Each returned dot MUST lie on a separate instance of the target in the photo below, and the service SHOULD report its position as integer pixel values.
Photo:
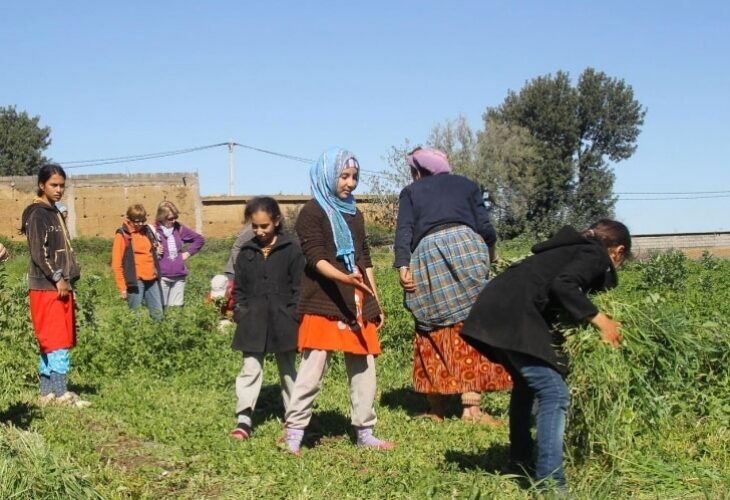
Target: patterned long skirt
(450, 269)
(444, 364)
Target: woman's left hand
(185, 256)
(406, 279)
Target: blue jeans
(152, 295)
(533, 378)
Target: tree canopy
(22, 142)
(562, 137)
(544, 155)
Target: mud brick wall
(693, 244)
(223, 215)
(97, 203)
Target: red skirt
(54, 320)
(444, 364)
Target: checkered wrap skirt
(450, 268)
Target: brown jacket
(322, 296)
(50, 247)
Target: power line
(676, 192)
(676, 198)
(274, 153)
(133, 158)
(653, 195)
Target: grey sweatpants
(360, 374)
(251, 377)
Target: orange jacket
(144, 263)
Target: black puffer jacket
(50, 246)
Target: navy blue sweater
(436, 200)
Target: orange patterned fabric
(327, 334)
(444, 364)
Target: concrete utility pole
(231, 168)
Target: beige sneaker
(72, 399)
(47, 399)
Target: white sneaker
(72, 399)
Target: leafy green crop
(648, 420)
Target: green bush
(664, 270)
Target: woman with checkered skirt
(444, 242)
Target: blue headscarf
(323, 176)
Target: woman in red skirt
(443, 245)
(51, 275)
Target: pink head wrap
(430, 159)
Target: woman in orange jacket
(135, 262)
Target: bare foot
(474, 415)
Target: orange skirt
(444, 364)
(320, 332)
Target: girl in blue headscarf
(338, 300)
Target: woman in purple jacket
(173, 237)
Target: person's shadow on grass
(491, 461)
(325, 425)
(404, 398)
(269, 405)
(83, 388)
(20, 414)
(416, 404)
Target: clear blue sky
(122, 78)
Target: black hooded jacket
(516, 309)
(50, 246)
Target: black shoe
(517, 468)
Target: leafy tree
(387, 184)
(459, 142)
(575, 132)
(608, 127)
(511, 156)
(22, 142)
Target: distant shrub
(665, 270)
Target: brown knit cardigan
(320, 295)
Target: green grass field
(648, 421)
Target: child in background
(338, 301)
(172, 237)
(268, 270)
(511, 323)
(221, 292)
(135, 262)
(244, 235)
(52, 273)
